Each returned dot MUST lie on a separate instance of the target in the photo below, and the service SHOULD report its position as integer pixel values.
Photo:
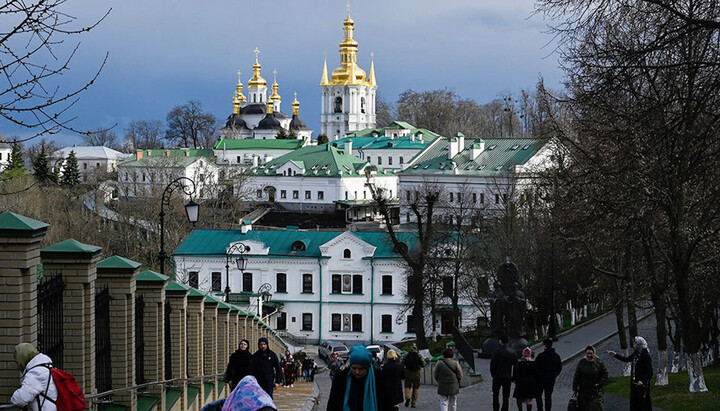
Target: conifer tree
(16, 162)
(71, 172)
(41, 168)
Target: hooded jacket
(36, 380)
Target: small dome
(255, 108)
(269, 122)
(297, 124)
(236, 121)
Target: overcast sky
(164, 53)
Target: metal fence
(103, 341)
(50, 318)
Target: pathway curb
(312, 400)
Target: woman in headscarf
(526, 377)
(38, 389)
(358, 387)
(248, 396)
(588, 381)
(641, 372)
(239, 364)
(393, 373)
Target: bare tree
(188, 126)
(144, 135)
(100, 137)
(33, 34)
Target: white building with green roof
(391, 147)
(150, 170)
(249, 152)
(318, 179)
(472, 174)
(5, 151)
(324, 285)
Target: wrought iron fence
(103, 350)
(50, 318)
(139, 340)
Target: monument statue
(507, 310)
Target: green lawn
(675, 395)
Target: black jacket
(238, 366)
(393, 373)
(641, 365)
(549, 365)
(265, 365)
(339, 384)
(502, 363)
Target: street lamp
(241, 262)
(263, 296)
(192, 209)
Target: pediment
(345, 239)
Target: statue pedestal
(492, 344)
(518, 345)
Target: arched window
(362, 105)
(338, 104)
(347, 253)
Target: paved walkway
(292, 399)
(570, 346)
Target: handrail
(94, 397)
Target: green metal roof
(149, 275)
(428, 135)
(12, 221)
(71, 246)
(167, 158)
(257, 144)
(497, 159)
(196, 293)
(176, 286)
(322, 160)
(118, 262)
(213, 243)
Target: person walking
(448, 374)
(641, 371)
(265, 367)
(588, 382)
(309, 367)
(549, 366)
(289, 369)
(393, 374)
(526, 377)
(239, 364)
(359, 387)
(413, 363)
(335, 365)
(37, 391)
(502, 364)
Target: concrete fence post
(176, 295)
(195, 343)
(151, 286)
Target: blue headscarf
(361, 356)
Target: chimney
(246, 226)
(452, 148)
(187, 154)
(138, 154)
(460, 141)
(268, 158)
(255, 160)
(476, 149)
(348, 147)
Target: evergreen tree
(322, 139)
(71, 172)
(16, 162)
(41, 168)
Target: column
(195, 312)
(151, 286)
(176, 297)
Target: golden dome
(256, 80)
(275, 96)
(349, 73)
(295, 106)
(239, 98)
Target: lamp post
(241, 262)
(191, 209)
(263, 296)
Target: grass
(675, 395)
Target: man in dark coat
(501, 367)
(549, 366)
(265, 367)
(641, 372)
(413, 364)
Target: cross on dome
(348, 8)
(257, 52)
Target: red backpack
(70, 396)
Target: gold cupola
(269, 107)
(349, 73)
(296, 106)
(239, 98)
(324, 79)
(275, 96)
(256, 80)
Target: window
(216, 281)
(364, 195)
(307, 284)
(283, 194)
(306, 322)
(389, 160)
(336, 322)
(259, 194)
(336, 284)
(281, 282)
(347, 283)
(321, 195)
(379, 161)
(447, 286)
(497, 198)
(193, 279)
(346, 322)
(356, 195)
(346, 195)
(357, 284)
(296, 194)
(362, 105)
(459, 197)
(387, 285)
(482, 198)
(357, 322)
(451, 197)
(338, 105)
(504, 198)
(386, 326)
(281, 321)
(308, 195)
(368, 159)
(347, 253)
(407, 196)
(298, 246)
(84, 166)
(238, 159)
(410, 324)
(474, 197)
(247, 282)
(402, 160)
(97, 165)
